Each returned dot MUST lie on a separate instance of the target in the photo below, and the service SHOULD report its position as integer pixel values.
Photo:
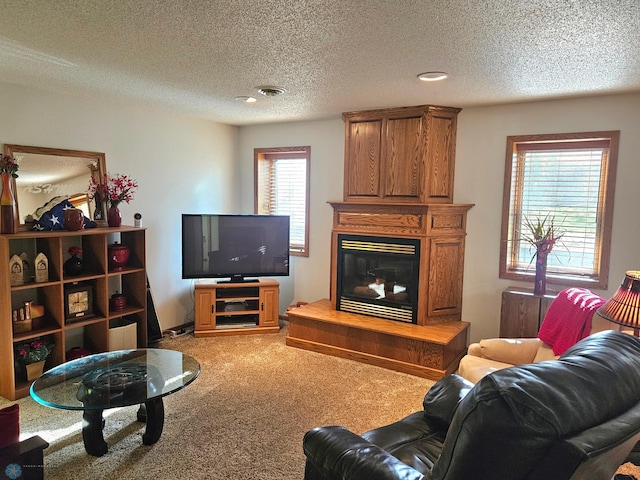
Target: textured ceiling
(331, 55)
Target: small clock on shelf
(78, 303)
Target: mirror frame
(12, 150)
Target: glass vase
(114, 219)
(98, 212)
(540, 282)
(8, 210)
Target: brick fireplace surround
(398, 185)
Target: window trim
(261, 154)
(602, 278)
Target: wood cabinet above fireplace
(401, 154)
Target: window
(282, 188)
(571, 179)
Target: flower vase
(98, 212)
(114, 219)
(34, 370)
(73, 266)
(540, 283)
(8, 210)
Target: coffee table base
(93, 425)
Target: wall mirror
(45, 173)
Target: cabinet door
(205, 318)
(519, 315)
(402, 164)
(362, 162)
(545, 302)
(446, 261)
(439, 157)
(269, 306)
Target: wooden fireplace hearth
(430, 352)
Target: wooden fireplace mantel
(441, 229)
(401, 219)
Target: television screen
(234, 246)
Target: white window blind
(565, 183)
(282, 186)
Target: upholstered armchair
(19, 459)
(570, 317)
(574, 418)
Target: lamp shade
(624, 307)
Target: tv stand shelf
(226, 308)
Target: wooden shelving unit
(236, 308)
(91, 333)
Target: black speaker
(154, 333)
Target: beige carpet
(243, 418)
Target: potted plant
(542, 236)
(33, 354)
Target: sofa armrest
(336, 452)
(475, 349)
(515, 351)
(443, 397)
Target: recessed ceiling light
(244, 98)
(432, 76)
(270, 90)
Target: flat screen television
(234, 247)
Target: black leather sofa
(577, 417)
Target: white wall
(480, 156)
(181, 164)
(309, 279)
(480, 161)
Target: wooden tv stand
(239, 308)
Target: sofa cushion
(9, 425)
(414, 440)
(518, 413)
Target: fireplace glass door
(378, 276)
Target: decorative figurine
(42, 268)
(17, 270)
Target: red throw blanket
(568, 319)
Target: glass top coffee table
(116, 379)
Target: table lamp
(624, 307)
